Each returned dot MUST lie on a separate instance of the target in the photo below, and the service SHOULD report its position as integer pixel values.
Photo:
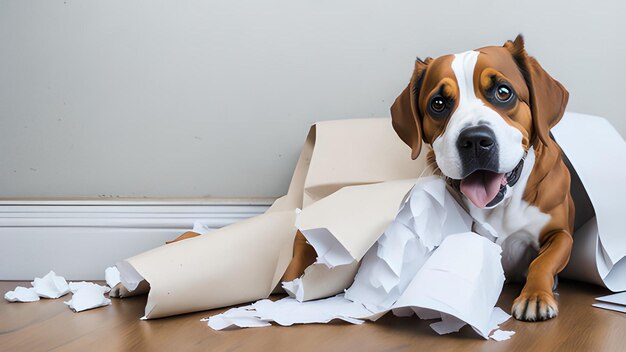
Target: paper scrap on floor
(616, 302)
(501, 335)
(427, 262)
(50, 286)
(87, 295)
(22, 294)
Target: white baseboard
(79, 239)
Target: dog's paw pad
(535, 306)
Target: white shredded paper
(51, 286)
(85, 295)
(288, 311)
(22, 294)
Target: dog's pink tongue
(481, 187)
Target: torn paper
(469, 298)
(22, 294)
(288, 311)
(501, 335)
(463, 278)
(427, 215)
(112, 276)
(86, 296)
(420, 264)
(50, 286)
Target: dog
(486, 115)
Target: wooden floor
(50, 325)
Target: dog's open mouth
(486, 188)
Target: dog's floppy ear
(548, 97)
(405, 116)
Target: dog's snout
(478, 149)
(476, 139)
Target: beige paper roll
(245, 261)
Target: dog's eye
(503, 93)
(438, 104)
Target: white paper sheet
(466, 297)
(611, 306)
(87, 296)
(448, 324)
(462, 278)
(22, 294)
(616, 302)
(617, 298)
(50, 286)
(241, 317)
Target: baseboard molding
(79, 239)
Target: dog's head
(480, 111)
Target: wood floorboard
(49, 325)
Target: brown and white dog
(486, 115)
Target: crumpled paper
(22, 294)
(51, 286)
(427, 215)
(426, 262)
(87, 295)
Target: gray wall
(214, 98)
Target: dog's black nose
(477, 139)
(478, 149)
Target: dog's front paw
(534, 306)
